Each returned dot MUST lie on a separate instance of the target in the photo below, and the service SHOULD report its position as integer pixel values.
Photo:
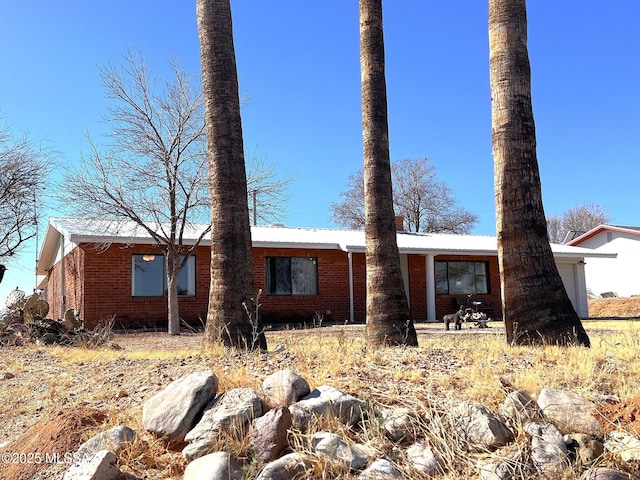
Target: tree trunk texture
(536, 308)
(232, 281)
(172, 265)
(387, 321)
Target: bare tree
(350, 212)
(581, 218)
(153, 169)
(24, 166)
(554, 228)
(267, 191)
(426, 204)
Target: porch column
(351, 313)
(431, 287)
(62, 277)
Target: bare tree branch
(581, 218)
(267, 191)
(152, 171)
(426, 204)
(24, 164)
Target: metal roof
(79, 231)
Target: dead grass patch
(447, 368)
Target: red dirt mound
(623, 415)
(51, 440)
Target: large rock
(623, 444)
(214, 466)
(602, 473)
(569, 411)
(381, 469)
(323, 401)
(479, 428)
(425, 460)
(113, 439)
(588, 448)
(268, 433)
(101, 466)
(291, 466)
(399, 424)
(283, 388)
(548, 449)
(519, 406)
(335, 449)
(173, 411)
(230, 415)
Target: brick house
(104, 269)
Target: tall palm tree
(388, 321)
(232, 281)
(536, 308)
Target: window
(149, 278)
(291, 276)
(462, 277)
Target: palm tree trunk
(388, 321)
(232, 281)
(536, 308)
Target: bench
(474, 304)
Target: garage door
(568, 274)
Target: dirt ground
(620, 307)
(41, 384)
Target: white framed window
(459, 277)
(291, 275)
(149, 276)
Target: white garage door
(568, 274)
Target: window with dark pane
(291, 276)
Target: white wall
(573, 278)
(620, 274)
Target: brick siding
(98, 286)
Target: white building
(617, 274)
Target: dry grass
(448, 367)
(615, 307)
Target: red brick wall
(105, 288)
(333, 287)
(418, 287)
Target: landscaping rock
(606, 474)
(399, 424)
(519, 406)
(326, 400)
(588, 448)
(570, 412)
(479, 428)
(381, 469)
(548, 448)
(425, 460)
(268, 434)
(283, 388)
(113, 440)
(173, 411)
(231, 414)
(624, 445)
(334, 448)
(101, 466)
(214, 466)
(292, 465)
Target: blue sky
(298, 63)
